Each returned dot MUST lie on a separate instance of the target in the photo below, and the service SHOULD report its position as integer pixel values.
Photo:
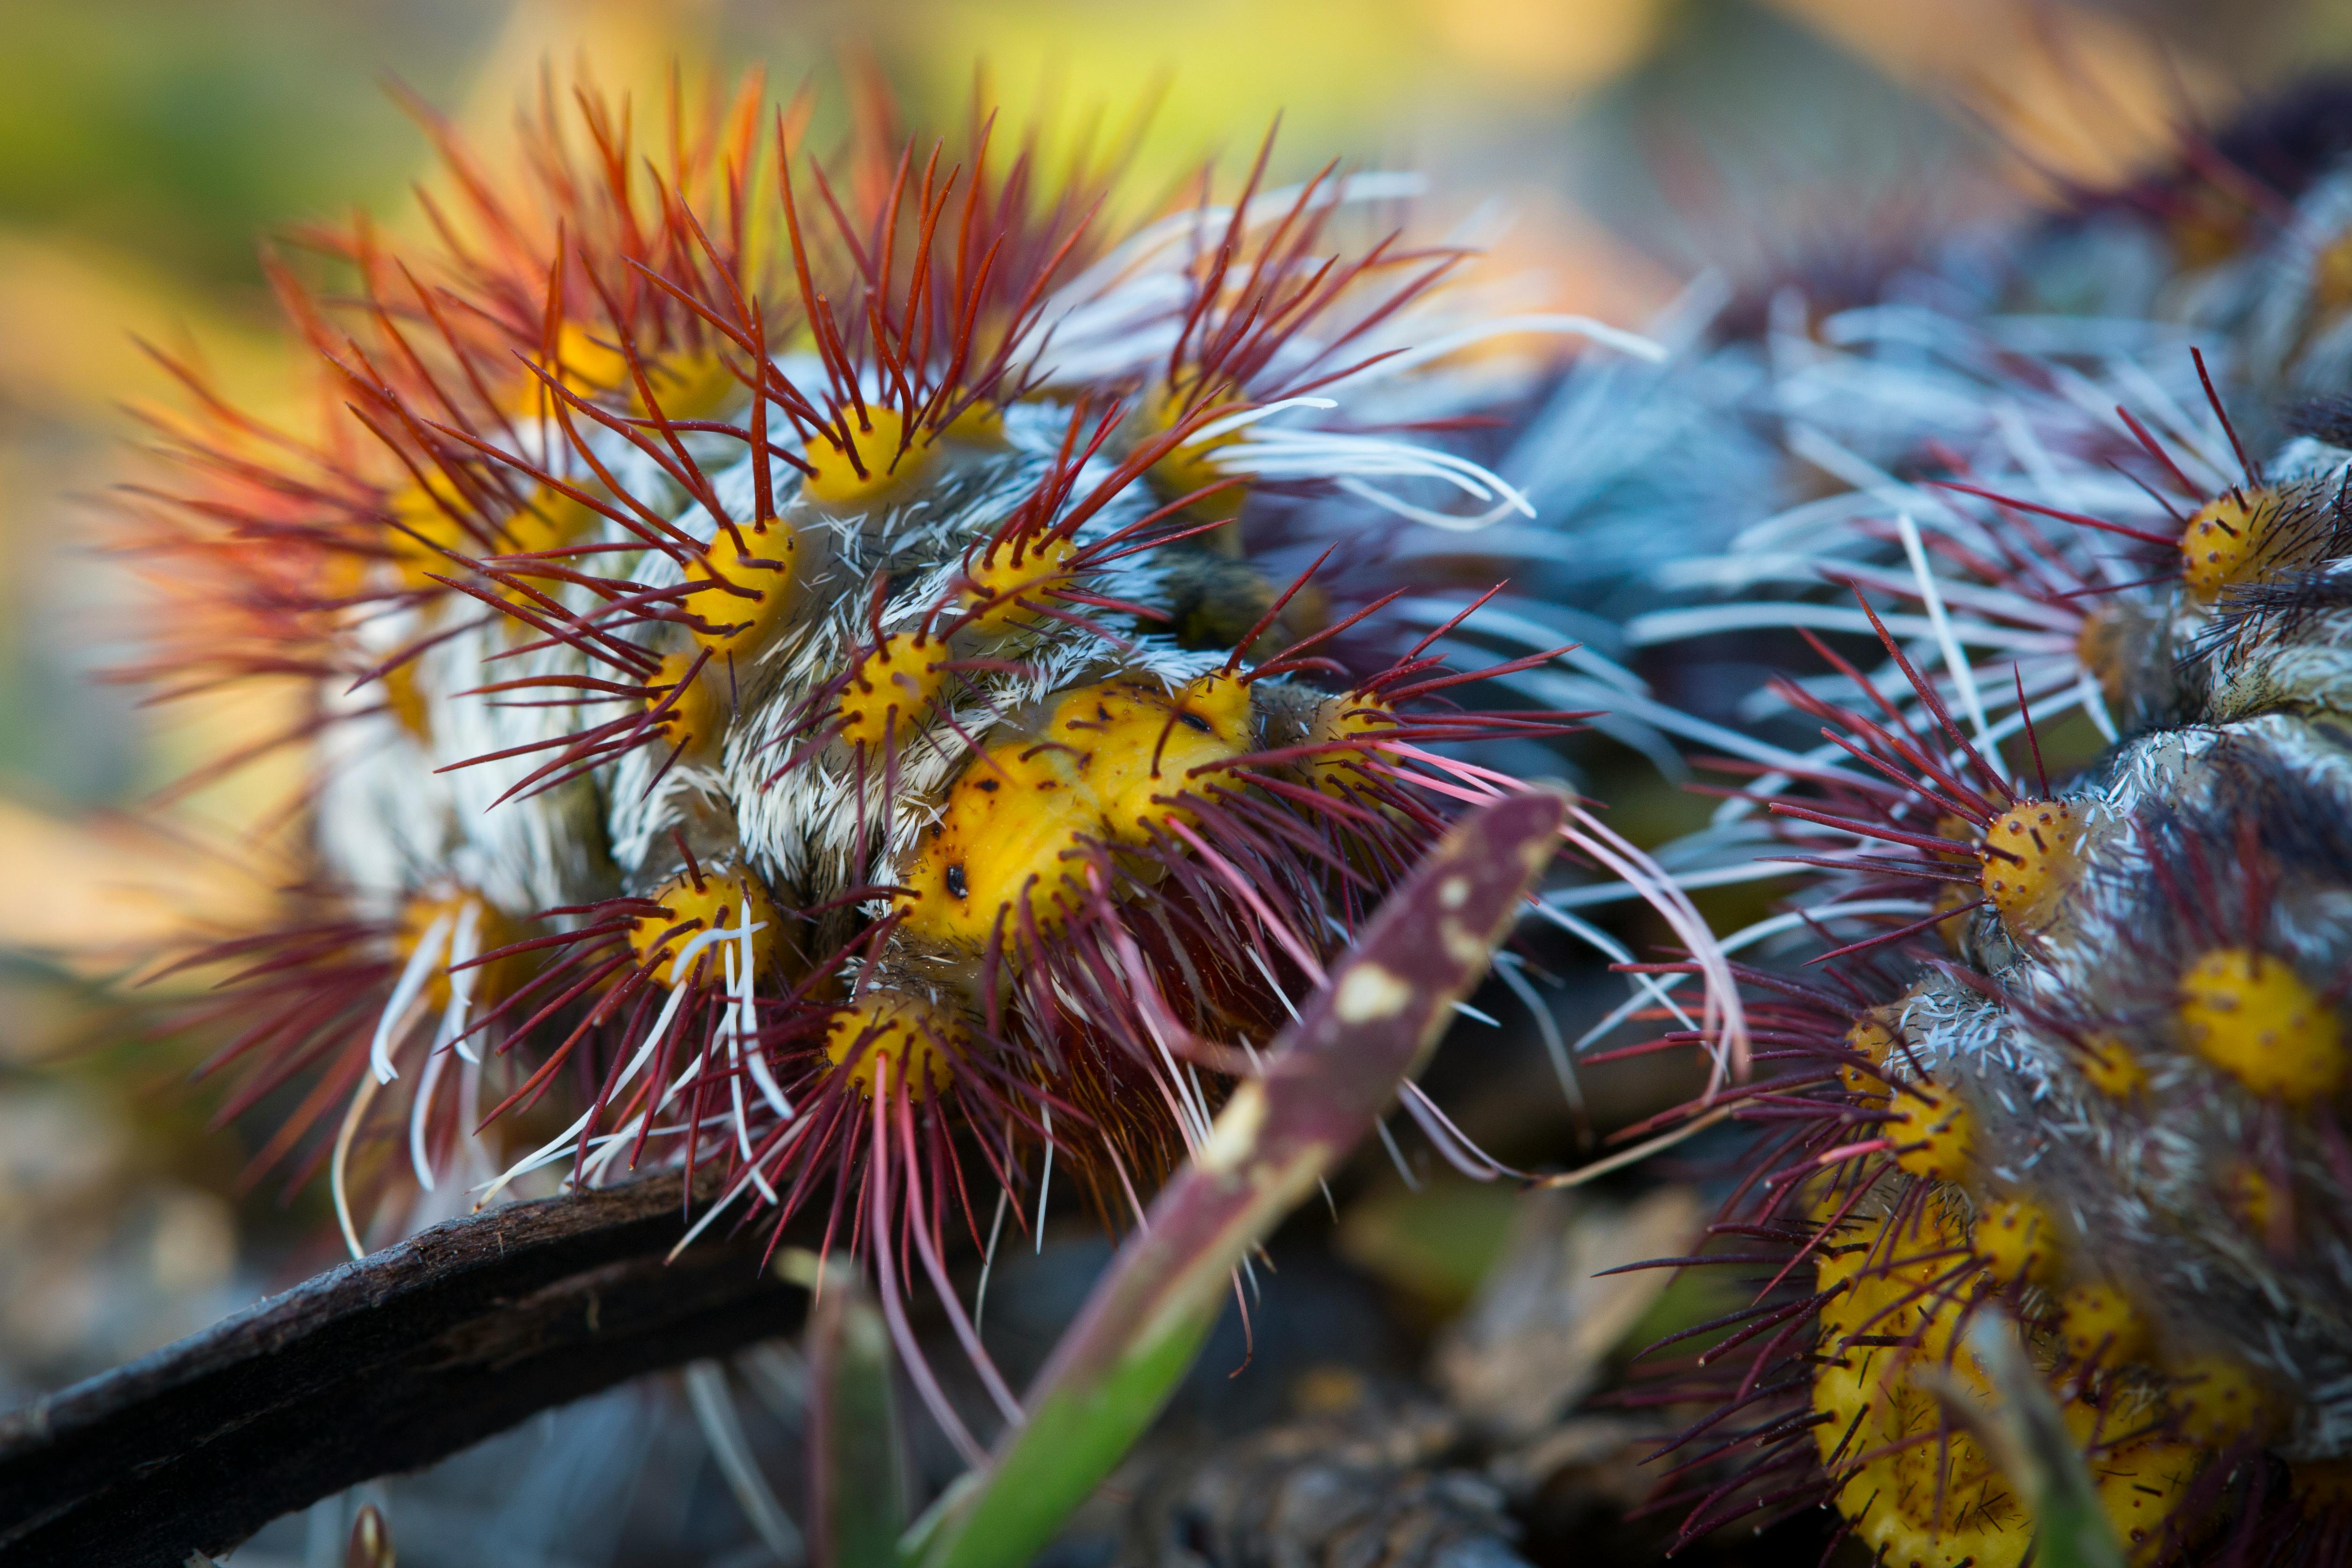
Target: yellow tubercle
(2096, 1321)
(1871, 1039)
(491, 930)
(871, 469)
(1006, 574)
(2018, 1240)
(1337, 721)
(1191, 465)
(687, 383)
(428, 532)
(700, 713)
(2251, 1015)
(550, 521)
(1983, 1526)
(691, 907)
(1158, 742)
(2109, 1066)
(901, 1041)
(1884, 1273)
(2031, 857)
(405, 699)
(982, 424)
(1930, 1130)
(587, 361)
(693, 385)
(891, 688)
(1101, 768)
(1836, 1261)
(2140, 1483)
(2222, 543)
(339, 570)
(1824, 1196)
(1916, 1498)
(2218, 1399)
(751, 585)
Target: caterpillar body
(793, 685)
(2072, 1048)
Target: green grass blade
(2030, 1439)
(1327, 1077)
(858, 1481)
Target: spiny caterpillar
(793, 686)
(2071, 1048)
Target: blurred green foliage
(179, 132)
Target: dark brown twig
(382, 1364)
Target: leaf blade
(1327, 1080)
(858, 1479)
